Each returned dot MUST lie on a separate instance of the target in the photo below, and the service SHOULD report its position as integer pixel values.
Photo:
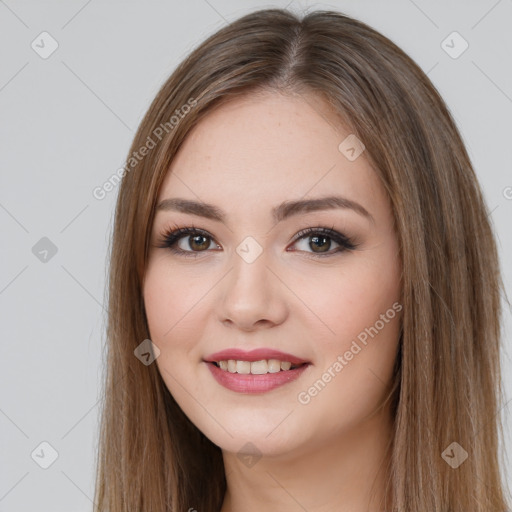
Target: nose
(252, 297)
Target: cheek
(355, 364)
(171, 298)
(351, 298)
(160, 304)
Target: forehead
(266, 148)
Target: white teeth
(274, 365)
(255, 367)
(243, 367)
(259, 367)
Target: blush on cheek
(363, 327)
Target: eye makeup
(319, 236)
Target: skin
(246, 157)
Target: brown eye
(187, 241)
(197, 242)
(322, 243)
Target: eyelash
(175, 233)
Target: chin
(262, 437)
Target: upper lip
(253, 355)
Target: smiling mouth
(254, 377)
(260, 367)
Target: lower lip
(249, 383)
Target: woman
(304, 286)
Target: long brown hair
(448, 382)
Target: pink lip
(248, 383)
(253, 355)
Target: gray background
(66, 123)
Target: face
(270, 266)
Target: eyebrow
(279, 213)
